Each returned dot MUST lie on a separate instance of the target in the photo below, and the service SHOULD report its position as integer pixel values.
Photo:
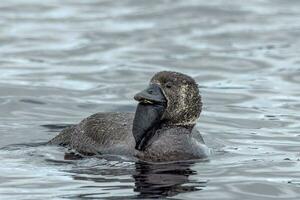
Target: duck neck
(168, 126)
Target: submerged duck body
(161, 129)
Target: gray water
(61, 61)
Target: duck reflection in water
(151, 180)
(164, 179)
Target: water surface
(61, 61)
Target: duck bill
(147, 119)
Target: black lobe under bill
(148, 115)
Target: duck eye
(168, 85)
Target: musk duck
(161, 129)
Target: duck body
(111, 133)
(161, 129)
(100, 133)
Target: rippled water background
(61, 61)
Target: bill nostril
(150, 91)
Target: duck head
(171, 99)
